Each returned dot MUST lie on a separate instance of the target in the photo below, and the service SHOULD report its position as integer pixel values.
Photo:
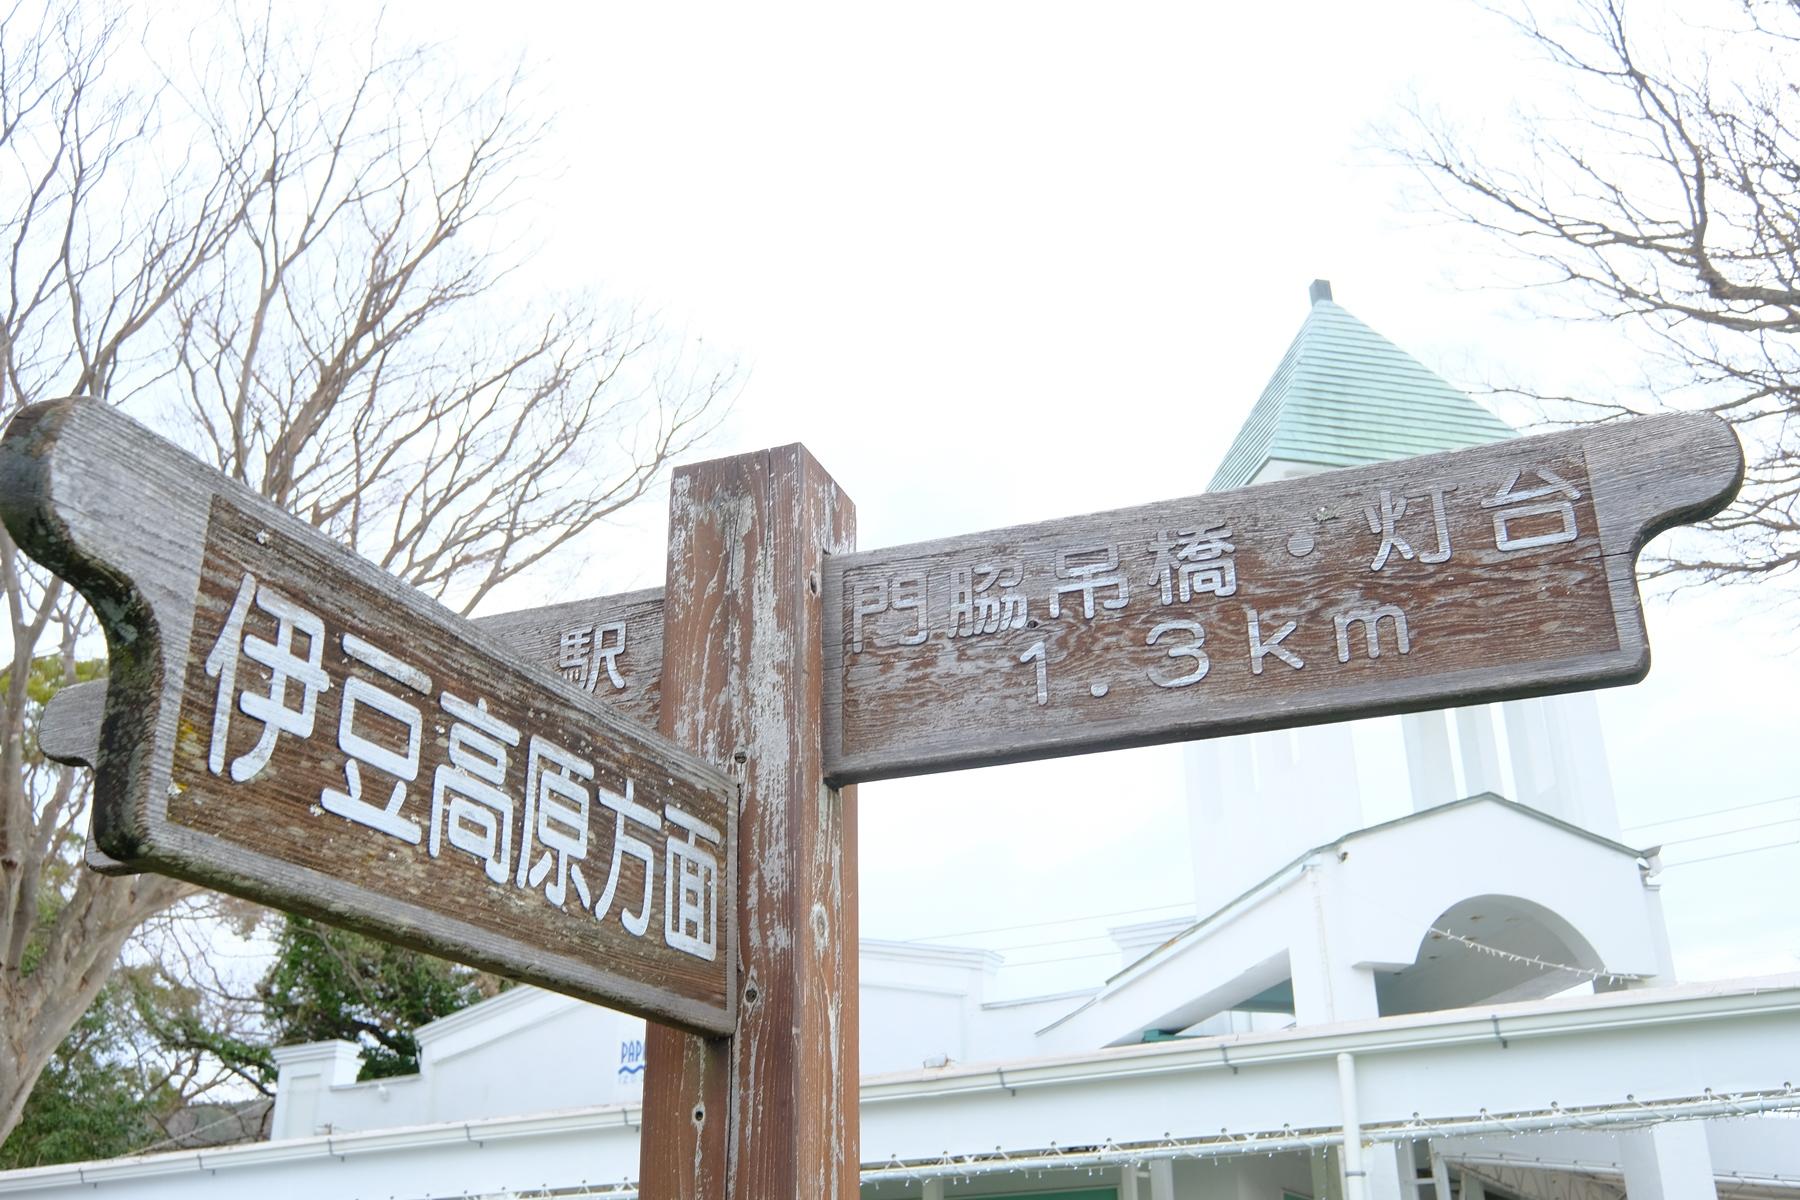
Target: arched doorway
(1489, 949)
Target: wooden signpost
(286, 723)
(283, 722)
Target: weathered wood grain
(610, 646)
(286, 722)
(69, 731)
(559, 637)
(1510, 570)
(741, 683)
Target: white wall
(1256, 802)
(920, 1005)
(525, 1051)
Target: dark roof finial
(1320, 290)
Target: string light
(1586, 973)
(1505, 1160)
(1533, 960)
(1630, 1112)
(1482, 947)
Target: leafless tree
(1661, 191)
(299, 260)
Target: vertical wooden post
(771, 1113)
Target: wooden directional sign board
(285, 722)
(1501, 571)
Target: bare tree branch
(1662, 192)
(295, 255)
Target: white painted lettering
(909, 594)
(982, 600)
(1384, 519)
(1036, 654)
(1192, 650)
(556, 818)
(1370, 619)
(587, 649)
(469, 806)
(625, 842)
(1261, 648)
(691, 887)
(1518, 505)
(1088, 570)
(362, 751)
(271, 709)
(1191, 562)
(872, 596)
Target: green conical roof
(1345, 396)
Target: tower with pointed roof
(1345, 396)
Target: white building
(1465, 987)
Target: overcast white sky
(1002, 262)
